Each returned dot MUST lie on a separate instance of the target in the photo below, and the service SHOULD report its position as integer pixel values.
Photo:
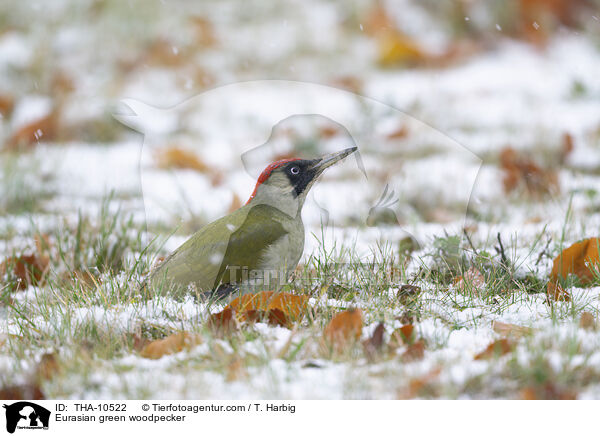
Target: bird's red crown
(267, 172)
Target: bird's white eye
(295, 170)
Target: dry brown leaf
(555, 292)
(578, 259)
(550, 12)
(351, 83)
(536, 219)
(86, 278)
(496, 349)
(567, 147)
(548, 391)
(378, 20)
(408, 293)
(173, 157)
(48, 366)
(274, 317)
(421, 386)
(42, 129)
(292, 306)
(138, 342)
(164, 53)
(470, 281)
(217, 177)
(205, 33)
(22, 392)
(415, 351)
(395, 48)
(374, 344)
(7, 103)
(171, 344)
(404, 335)
(409, 316)
(587, 321)
(399, 133)
(236, 370)
(62, 84)
(224, 322)
(511, 330)
(344, 329)
(521, 171)
(28, 269)
(329, 131)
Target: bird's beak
(326, 161)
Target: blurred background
(515, 83)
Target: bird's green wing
(235, 241)
(260, 230)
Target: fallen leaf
(42, 129)
(48, 366)
(496, 349)
(139, 342)
(22, 392)
(408, 294)
(511, 330)
(179, 158)
(578, 259)
(415, 351)
(236, 370)
(420, 386)
(587, 321)
(528, 394)
(62, 84)
(399, 133)
(555, 292)
(224, 322)
(85, 277)
(272, 317)
(551, 13)
(378, 20)
(163, 53)
(404, 335)
(205, 33)
(568, 145)
(409, 316)
(27, 269)
(344, 329)
(470, 281)
(216, 177)
(7, 103)
(521, 171)
(547, 391)
(350, 83)
(396, 48)
(292, 306)
(374, 344)
(329, 131)
(171, 344)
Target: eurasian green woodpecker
(255, 247)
